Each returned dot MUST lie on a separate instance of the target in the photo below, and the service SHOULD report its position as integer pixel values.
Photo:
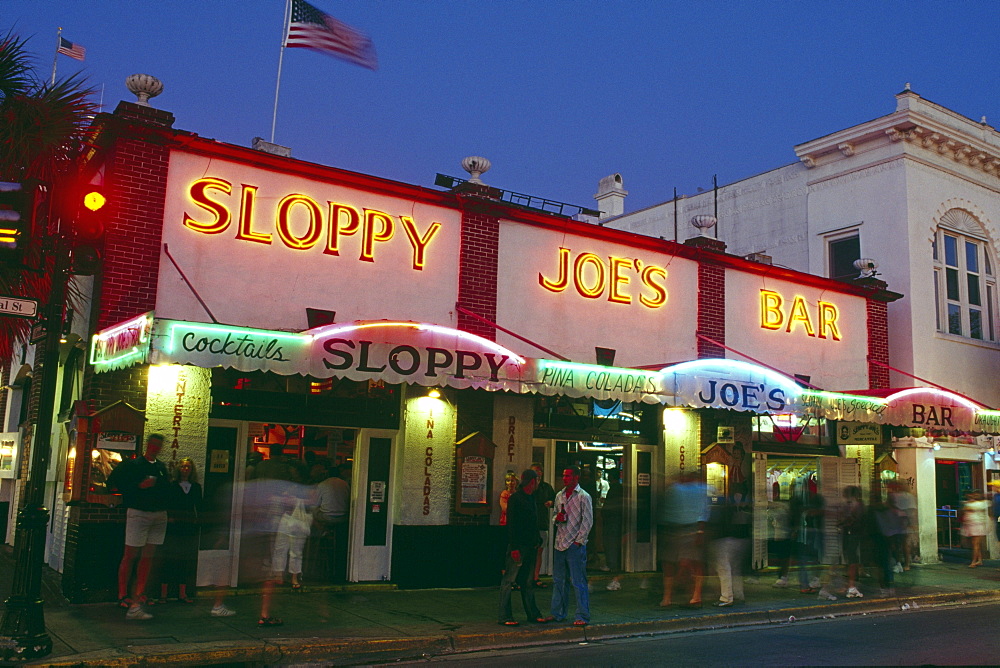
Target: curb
(354, 651)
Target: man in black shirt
(522, 542)
(544, 498)
(144, 484)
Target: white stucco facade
(891, 181)
(898, 183)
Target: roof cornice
(934, 129)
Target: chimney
(611, 196)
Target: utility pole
(23, 636)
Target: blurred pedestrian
(179, 565)
(681, 536)
(731, 537)
(904, 502)
(995, 485)
(781, 533)
(522, 543)
(975, 520)
(852, 528)
(887, 529)
(143, 482)
(573, 521)
(544, 497)
(294, 526)
(265, 500)
(613, 517)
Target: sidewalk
(365, 623)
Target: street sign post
(18, 306)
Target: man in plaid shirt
(574, 518)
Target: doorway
(626, 523)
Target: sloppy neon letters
(774, 316)
(300, 222)
(593, 277)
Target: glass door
(222, 483)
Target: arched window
(965, 289)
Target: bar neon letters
(299, 223)
(593, 277)
(774, 316)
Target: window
(843, 251)
(964, 284)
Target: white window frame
(947, 303)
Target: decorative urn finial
(144, 86)
(476, 166)
(703, 223)
(867, 267)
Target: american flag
(70, 49)
(310, 28)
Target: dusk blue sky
(557, 94)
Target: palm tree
(43, 128)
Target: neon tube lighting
(216, 329)
(773, 376)
(594, 367)
(128, 324)
(843, 395)
(933, 390)
(134, 352)
(330, 330)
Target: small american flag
(310, 28)
(70, 49)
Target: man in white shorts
(144, 484)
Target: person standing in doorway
(144, 484)
(574, 519)
(544, 497)
(333, 503)
(522, 541)
(179, 565)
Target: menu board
(474, 479)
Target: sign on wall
(250, 233)
(428, 460)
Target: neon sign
(300, 223)
(122, 344)
(593, 277)
(774, 316)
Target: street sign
(17, 306)
(37, 333)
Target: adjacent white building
(916, 193)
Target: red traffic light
(92, 210)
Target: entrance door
(225, 458)
(371, 489)
(640, 540)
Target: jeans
(520, 573)
(574, 560)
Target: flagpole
(55, 58)
(281, 58)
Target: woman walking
(975, 523)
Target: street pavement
(359, 624)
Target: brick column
(711, 309)
(477, 271)
(878, 344)
(137, 181)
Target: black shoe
(723, 604)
